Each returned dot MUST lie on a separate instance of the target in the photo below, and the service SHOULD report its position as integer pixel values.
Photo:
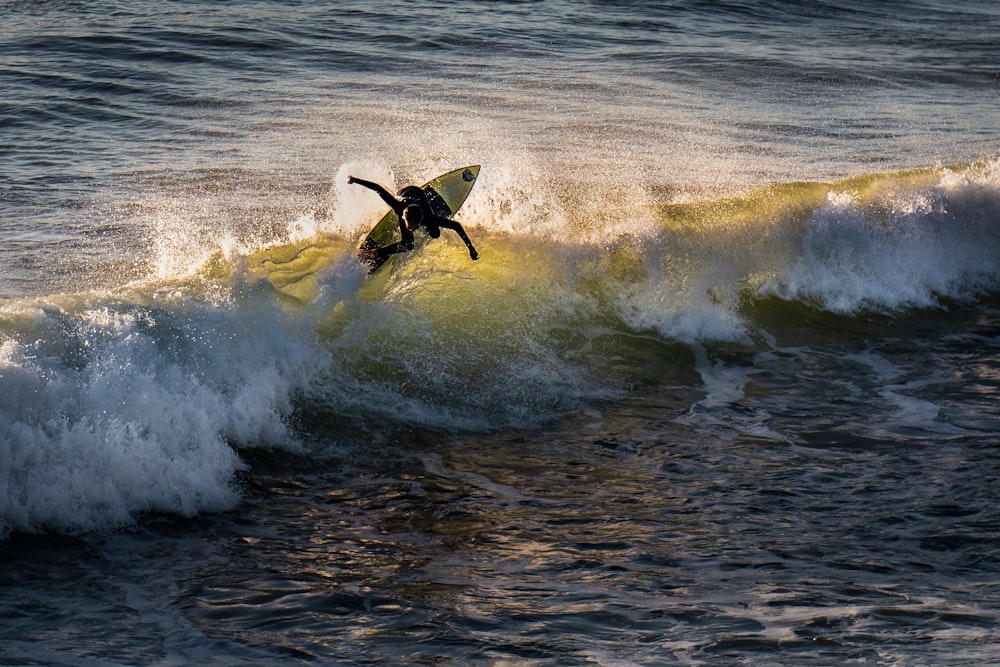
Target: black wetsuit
(432, 223)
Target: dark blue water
(721, 389)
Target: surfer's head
(411, 193)
(413, 216)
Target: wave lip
(883, 243)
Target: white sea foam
(926, 244)
(115, 410)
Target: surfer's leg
(393, 248)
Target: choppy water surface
(720, 391)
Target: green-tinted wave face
(547, 323)
(512, 340)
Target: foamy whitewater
(721, 389)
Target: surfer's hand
(350, 180)
(473, 254)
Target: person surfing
(414, 213)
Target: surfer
(414, 213)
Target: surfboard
(446, 194)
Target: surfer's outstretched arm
(396, 205)
(386, 196)
(458, 229)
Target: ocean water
(721, 390)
